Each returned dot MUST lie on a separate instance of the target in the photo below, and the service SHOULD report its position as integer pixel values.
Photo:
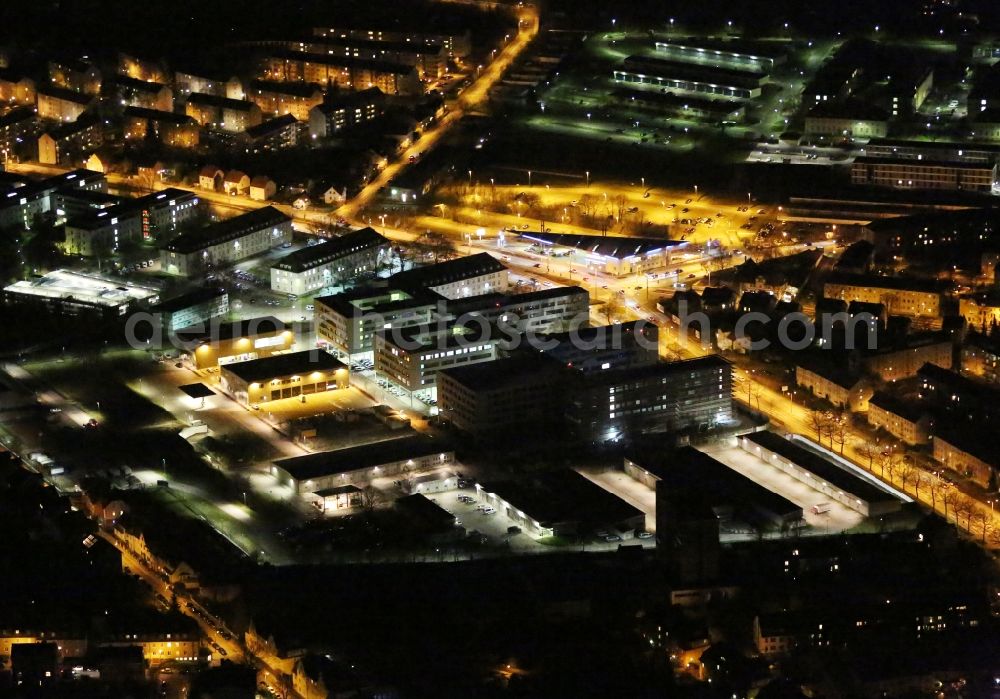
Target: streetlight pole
(529, 178)
(587, 173)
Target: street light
(587, 173)
(529, 178)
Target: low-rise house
(236, 183)
(834, 384)
(903, 420)
(262, 188)
(211, 177)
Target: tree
(868, 450)
(820, 423)
(370, 498)
(613, 309)
(950, 498)
(838, 429)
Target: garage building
(284, 376)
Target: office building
(216, 343)
(193, 309)
(464, 276)
(604, 348)
(849, 118)
(229, 241)
(329, 263)
(689, 77)
(490, 400)
(347, 322)
(411, 357)
(693, 395)
(290, 375)
(552, 310)
(153, 216)
(21, 201)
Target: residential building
(273, 134)
(464, 276)
(329, 263)
(78, 76)
(691, 395)
(342, 71)
(217, 343)
(262, 188)
(61, 104)
(192, 309)
(19, 126)
(457, 43)
(838, 386)
(133, 92)
(903, 296)
(169, 128)
(190, 80)
(981, 357)
(904, 420)
(511, 396)
(361, 465)
(904, 173)
(964, 399)
(211, 177)
(282, 98)
(16, 89)
(980, 310)
(967, 453)
(139, 68)
(223, 113)
(290, 375)
(22, 201)
(229, 241)
(343, 111)
(156, 215)
(411, 357)
(348, 322)
(430, 60)
(236, 183)
(897, 363)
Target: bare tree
(370, 498)
(950, 498)
(868, 450)
(820, 422)
(838, 429)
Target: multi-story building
(16, 89)
(78, 76)
(430, 60)
(981, 357)
(72, 293)
(156, 215)
(191, 80)
(61, 104)
(695, 394)
(344, 111)
(457, 44)
(228, 241)
(554, 310)
(343, 72)
(503, 397)
(411, 357)
(348, 322)
(897, 363)
(900, 295)
(854, 119)
(19, 126)
(609, 347)
(72, 140)
(223, 113)
(329, 263)
(464, 276)
(981, 310)
(193, 309)
(968, 454)
(834, 384)
(216, 343)
(903, 420)
(140, 93)
(965, 400)
(273, 134)
(150, 70)
(22, 201)
(169, 128)
(904, 173)
(291, 375)
(758, 57)
(285, 98)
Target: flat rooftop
(695, 72)
(220, 331)
(555, 497)
(90, 289)
(361, 457)
(372, 299)
(822, 468)
(290, 364)
(191, 298)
